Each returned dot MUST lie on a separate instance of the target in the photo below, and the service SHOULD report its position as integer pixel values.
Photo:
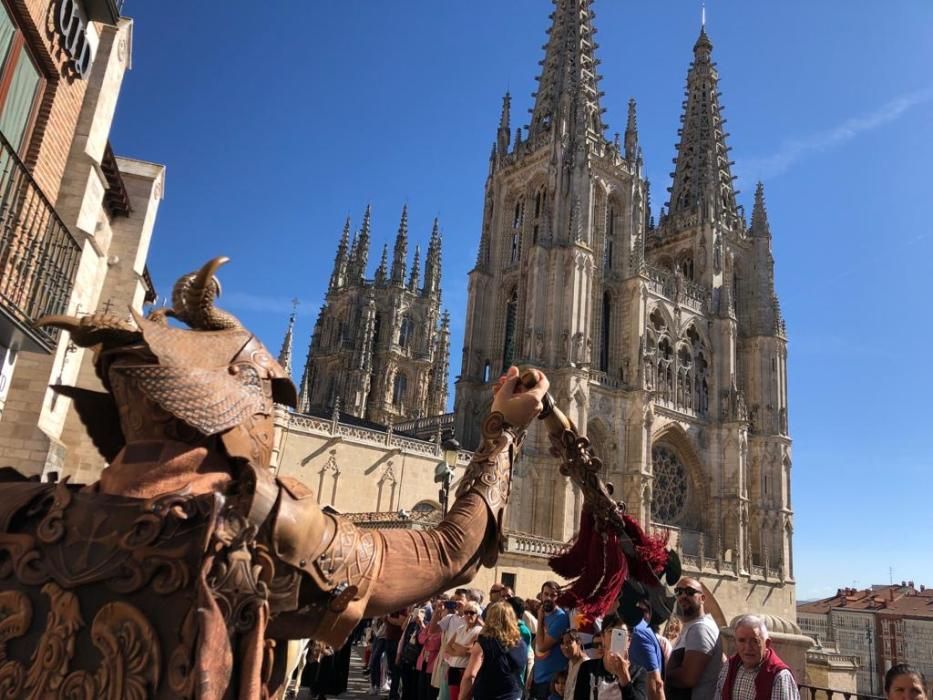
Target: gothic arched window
(399, 389)
(540, 204)
(515, 248)
(669, 494)
(604, 336)
(405, 332)
(508, 347)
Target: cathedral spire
(437, 395)
(504, 132)
(631, 132)
(568, 87)
(432, 267)
(382, 270)
(339, 274)
(414, 278)
(400, 255)
(702, 175)
(285, 354)
(362, 244)
(760, 225)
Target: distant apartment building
(75, 220)
(881, 626)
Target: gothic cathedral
(665, 341)
(380, 349)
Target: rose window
(669, 497)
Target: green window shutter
(19, 100)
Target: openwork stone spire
(702, 176)
(568, 90)
(285, 354)
(339, 275)
(401, 250)
(432, 267)
(382, 270)
(504, 132)
(415, 276)
(760, 225)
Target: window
(21, 84)
(405, 332)
(399, 388)
(669, 495)
(508, 347)
(604, 339)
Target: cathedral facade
(665, 342)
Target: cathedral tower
(380, 349)
(562, 232)
(665, 344)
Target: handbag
(412, 649)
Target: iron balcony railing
(38, 254)
(810, 692)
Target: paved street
(358, 682)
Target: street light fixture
(444, 471)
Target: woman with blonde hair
(497, 659)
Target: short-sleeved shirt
(700, 635)
(556, 623)
(464, 636)
(645, 650)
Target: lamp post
(871, 659)
(444, 471)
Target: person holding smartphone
(613, 676)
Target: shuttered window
(20, 84)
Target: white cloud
(794, 150)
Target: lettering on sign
(74, 37)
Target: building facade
(664, 343)
(880, 626)
(380, 349)
(75, 220)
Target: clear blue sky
(278, 119)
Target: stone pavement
(358, 681)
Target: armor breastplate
(112, 597)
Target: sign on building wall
(72, 25)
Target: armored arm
(351, 573)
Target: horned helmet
(212, 380)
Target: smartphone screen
(619, 641)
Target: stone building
(879, 626)
(75, 220)
(664, 343)
(380, 349)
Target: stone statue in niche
(717, 253)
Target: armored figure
(181, 573)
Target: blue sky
(276, 123)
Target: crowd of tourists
(456, 648)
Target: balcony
(38, 258)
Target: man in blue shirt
(644, 649)
(552, 623)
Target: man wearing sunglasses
(696, 659)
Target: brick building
(881, 626)
(75, 220)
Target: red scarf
(770, 666)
